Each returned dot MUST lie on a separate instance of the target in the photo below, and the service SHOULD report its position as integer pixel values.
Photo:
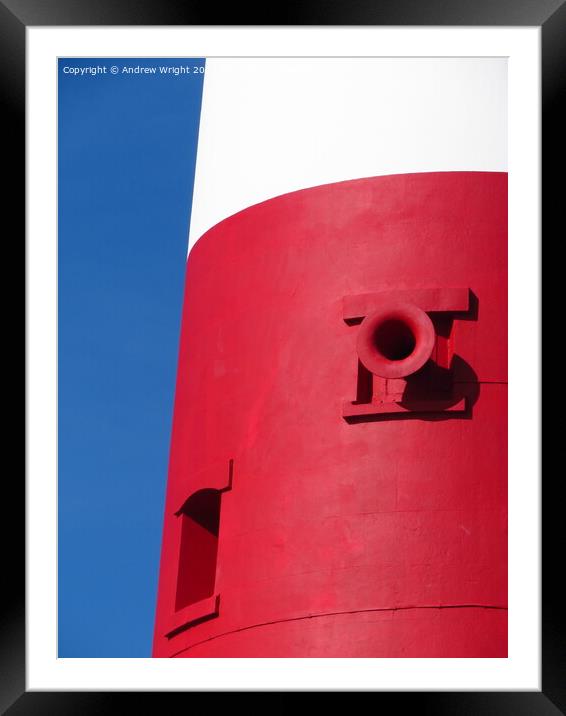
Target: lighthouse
(337, 483)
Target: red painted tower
(338, 470)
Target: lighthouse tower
(338, 482)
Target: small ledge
(193, 614)
(357, 410)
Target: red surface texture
(348, 513)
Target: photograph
(333, 375)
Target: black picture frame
(550, 15)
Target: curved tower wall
(317, 508)
(270, 126)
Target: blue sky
(127, 147)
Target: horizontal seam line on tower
(332, 614)
(480, 382)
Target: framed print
(294, 462)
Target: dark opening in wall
(394, 339)
(200, 517)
